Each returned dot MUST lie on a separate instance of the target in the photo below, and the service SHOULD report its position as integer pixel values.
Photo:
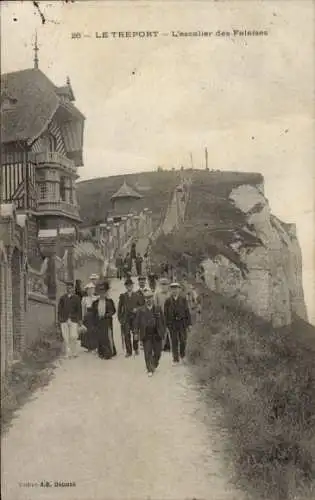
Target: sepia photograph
(157, 250)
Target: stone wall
(12, 284)
(39, 318)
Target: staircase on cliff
(175, 214)
(88, 255)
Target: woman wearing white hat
(88, 338)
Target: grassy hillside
(211, 224)
(209, 196)
(264, 380)
(155, 187)
(209, 193)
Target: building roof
(37, 100)
(126, 191)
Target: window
(52, 191)
(62, 189)
(71, 187)
(42, 191)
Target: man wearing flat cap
(150, 325)
(178, 320)
(127, 307)
(69, 317)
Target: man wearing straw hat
(178, 320)
(69, 317)
(160, 296)
(140, 295)
(150, 326)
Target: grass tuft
(264, 380)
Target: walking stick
(122, 338)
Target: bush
(265, 381)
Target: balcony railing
(54, 158)
(47, 205)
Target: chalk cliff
(269, 281)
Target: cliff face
(271, 285)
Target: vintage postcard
(157, 236)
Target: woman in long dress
(103, 312)
(88, 338)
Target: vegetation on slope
(155, 187)
(211, 224)
(209, 193)
(265, 381)
(264, 378)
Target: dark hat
(141, 278)
(69, 282)
(102, 286)
(128, 282)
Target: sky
(152, 101)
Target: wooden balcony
(47, 206)
(54, 159)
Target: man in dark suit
(139, 261)
(120, 266)
(178, 321)
(127, 307)
(69, 317)
(140, 291)
(150, 325)
(152, 279)
(140, 295)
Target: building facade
(41, 153)
(42, 142)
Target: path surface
(116, 433)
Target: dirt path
(116, 433)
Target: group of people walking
(152, 318)
(88, 318)
(133, 263)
